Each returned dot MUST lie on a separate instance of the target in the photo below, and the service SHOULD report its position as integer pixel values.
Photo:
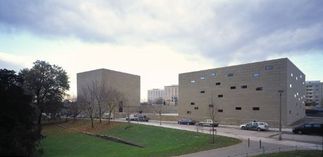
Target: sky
(161, 38)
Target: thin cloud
(225, 31)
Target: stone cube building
(244, 93)
(126, 84)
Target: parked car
(186, 121)
(142, 118)
(106, 115)
(137, 117)
(254, 125)
(208, 123)
(132, 117)
(309, 128)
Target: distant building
(171, 94)
(126, 84)
(155, 94)
(244, 93)
(314, 93)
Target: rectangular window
(202, 91)
(188, 112)
(258, 88)
(220, 96)
(220, 110)
(269, 67)
(202, 78)
(256, 108)
(233, 87)
(192, 81)
(230, 75)
(196, 108)
(192, 103)
(256, 75)
(218, 83)
(238, 108)
(244, 86)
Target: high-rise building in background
(314, 93)
(155, 95)
(167, 96)
(244, 93)
(171, 94)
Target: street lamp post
(280, 114)
(212, 116)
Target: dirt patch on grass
(84, 126)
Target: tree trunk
(100, 112)
(109, 118)
(92, 121)
(39, 122)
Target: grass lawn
(156, 141)
(299, 153)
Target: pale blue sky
(159, 39)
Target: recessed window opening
(188, 112)
(213, 74)
(259, 88)
(192, 103)
(256, 108)
(238, 108)
(290, 85)
(256, 75)
(220, 95)
(196, 108)
(220, 110)
(202, 78)
(230, 75)
(291, 74)
(202, 91)
(193, 81)
(233, 87)
(269, 67)
(218, 83)
(244, 86)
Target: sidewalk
(242, 150)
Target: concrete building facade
(314, 93)
(244, 92)
(127, 84)
(171, 94)
(155, 94)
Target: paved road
(234, 131)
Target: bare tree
(100, 94)
(87, 99)
(113, 98)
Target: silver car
(254, 125)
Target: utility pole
(212, 116)
(280, 114)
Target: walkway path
(242, 150)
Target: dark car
(309, 128)
(186, 121)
